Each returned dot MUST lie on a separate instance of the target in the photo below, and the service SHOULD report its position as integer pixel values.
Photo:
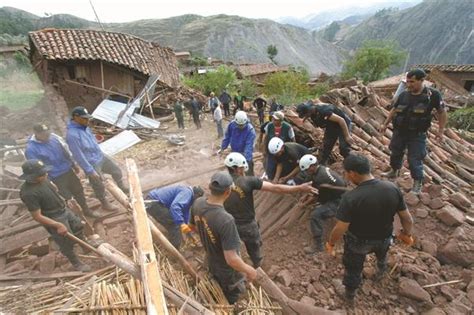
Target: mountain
(352, 15)
(434, 31)
(229, 38)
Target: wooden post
(151, 279)
(102, 74)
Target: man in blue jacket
(170, 206)
(241, 135)
(54, 152)
(87, 153)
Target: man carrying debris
(241, 135)
(218, 120)
(260, 103)
(278, 127)
(53, 151)
(287, 156)
(48, 208)
(90, 157)
(195, 111)
(238, 102)
(336, 123)
(331, 187)
(220, 238)
(365, 216)
(225, 99)
(178, 109)
(213, 102)
(170, 207)
(240, 203)
(411, 116)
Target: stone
(460, 201)
(308, 301)
(47, 263)
(338, 286)
(429, 247)
(421, 213)
(435, 191)
(425, 198)
(436, 203)
(459, 249)
(448, 292)
(434, 311)
(412, 200)
(273, 271)
(411, 289)
(283, 233)
(450, 216)
(411, 310)
(470, 295)
(405, 183)
(285, 277)
(308, 250)
(310, 289)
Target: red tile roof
(117, 48)
(248, 70)
(447, 68)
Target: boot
(77, 264)
(391, 174)
(107, 206)
(417, 185)
(317, 246)
(349, 295)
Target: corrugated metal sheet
(119, 142)
(117, 114)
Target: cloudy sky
(130, 10)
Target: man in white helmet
(241, 135)
(287, 156)
(240, 203)
(331, 186)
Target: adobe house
(258, 72)
(86, 66)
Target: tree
(372, 61)
(213, 81)
(288, 87)
(272, 51)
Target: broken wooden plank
(150, 275)
(19, 228)
(19, 240)
(68, 274)
(8, 202)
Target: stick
(438, 284)
(81, 290)
(84, 244)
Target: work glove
(407, 239)
(330, 249)
(185, 229)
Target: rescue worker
(411, 118)
(178, 109)
(225, 99)
(89, 156)
(220, 238)
(238, 102)
(54, 152)
(336, 123)
(287, 156)
(365, 218)
(260, 103)
(195, 111)
(330, 189)
(213, 102)
(240, 135)
(170, 206)
(47, 207)
(240, 203)
(278, 127)
(218, 120)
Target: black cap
(33, 169)
(81, 112)
(417, 73)
(221, 181)
(40, 128)
(198, 191)
(303, 109)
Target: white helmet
(306, 161)
(235, 159)
(241, 118)
(275, 145)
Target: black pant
(197, 122)
(331, 134)
(261, 116)
(180, 120)
(108, 166)
(226, 109)
(73, 224)
(353, 259)
(162, 214)
(250, 234)
(415, 142)
(320, 214)
(69, 186)
(231, 281)
(238, 107)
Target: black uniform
(259, 103)
(292, 153)
(43, 196)
(411, 121)
(369, 209)
(195, 109)
(240, 205)
(332, 132)
(225, 99)
(218, 232)
(329, 199)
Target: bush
(248, 88)
(213, 81)
(462, 119)
(288, 87)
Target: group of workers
(226, 215)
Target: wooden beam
(19, 240)
(150, 275)
(98, 88)
(69, 274)
(102, 74)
